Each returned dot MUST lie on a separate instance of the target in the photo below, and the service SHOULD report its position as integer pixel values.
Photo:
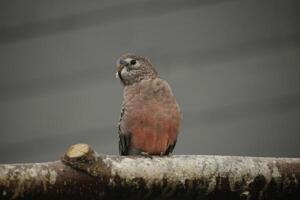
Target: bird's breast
(153, 126)
(153, 130)
(152, 117)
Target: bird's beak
(123, 63)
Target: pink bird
(150, 116)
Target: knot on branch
(83, 157)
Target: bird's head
(132, 68)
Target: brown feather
(151, 116)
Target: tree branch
(82, 174)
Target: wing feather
(124, 138)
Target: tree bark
(82, 174)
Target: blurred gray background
(234, 67)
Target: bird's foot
(164, 154)
(147, 155)
(170, 155)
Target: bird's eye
(133, 62)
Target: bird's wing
(124, 138)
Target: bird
(150, 116)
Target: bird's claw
(170, 155)
(164, 154)
(147, 155)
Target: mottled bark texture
(82, 174)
